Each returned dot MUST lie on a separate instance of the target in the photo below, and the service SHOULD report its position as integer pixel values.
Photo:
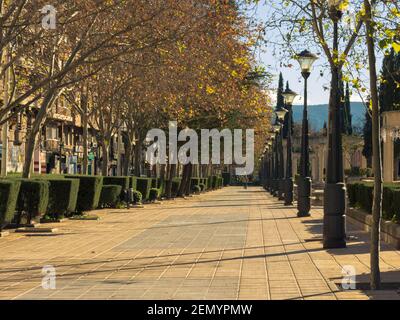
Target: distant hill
(318, 114)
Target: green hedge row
(361, 196)
(9, 191)
(33, 198)
(144, 185)
(62, 195)
(110, 196)
(89, 192)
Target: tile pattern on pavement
(227, 244)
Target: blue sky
(317, 94)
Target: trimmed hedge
(194, 182)
(137, 197)
(133, 183)
(63, 197)
(124, 182)
(9, 190)
(89, 192)
(361, 196)
(176, 183)
(226, 178)
(33, 198)
(154, 194)
(196, 189)
(110, 196)
(210, 182)
(144, 186)
(154, 183)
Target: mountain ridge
(318, 115)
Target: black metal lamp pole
(289, 96)
(269, 167)
(280, 115)
(273, 167)
(334, 230)
(306, 59)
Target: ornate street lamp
(280, 114)
(289, 96)
(272, 188)
(306, 60)
(334, 229)
(269, 165)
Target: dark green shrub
(387, 203)
(137, 197)
(133, 183)
(194, 182)
(210, 183)
(154, 183)
(33, 198)
(110, 196)
(395, 211)
(63, 197)
(124, 182)
(361, 195)
(220, 182)
(9, 190)
(154, 194)
(161, 185)
(196, 189)
(176, 183)
(144, 186)
(89, 192)
(226, 178)
(352, 194)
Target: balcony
(62, 114)
(52, 145)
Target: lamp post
(273, 165)
(289, 96)
(306, 60)
(268, 165)
(276, 129)
(280, 114)
(334, 230)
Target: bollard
(127, 198)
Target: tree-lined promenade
(151, 63)
(83, 84)
(227, 244)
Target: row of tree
(350, 35)
(132, 64)
(389, 97)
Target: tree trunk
(138, 158)
(188, 180)
(172, 171)
(128, 157)
(376, 150)
(37, 125)
(85, 135)
(182, 187)
(104, 164)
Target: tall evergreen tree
(285, 128)
(389, 89)
(280, 101)
(367, 135)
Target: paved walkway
(228, 244)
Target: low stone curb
(390, 231)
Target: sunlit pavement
(227, 244)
